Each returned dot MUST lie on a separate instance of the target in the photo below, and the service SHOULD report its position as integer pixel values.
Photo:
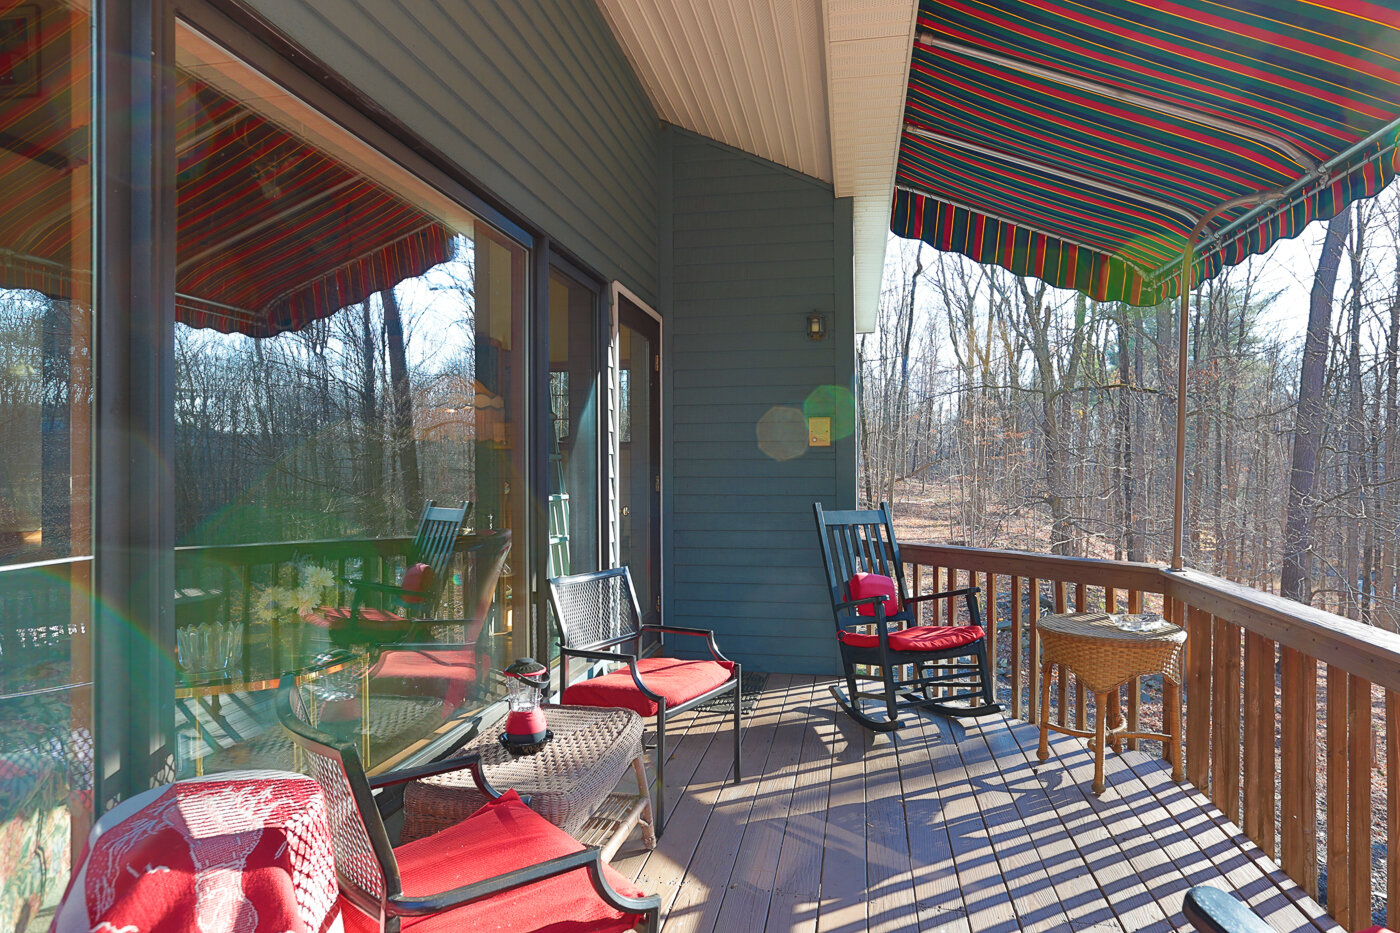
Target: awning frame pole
(1188, 261)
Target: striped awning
(1081, 142)
(272, 233)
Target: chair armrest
(390, 588)
(1212, 910)
(965, 591)
(631, 660)
(590, 858)
(471, 763)
(592, 655)
(866, 601)
(705, 633)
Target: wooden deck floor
(948, 826)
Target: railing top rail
(1364, 650)
(1122, 574)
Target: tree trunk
(1295, 582)
(404, 444)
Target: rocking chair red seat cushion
(672, 678)
(338, 617)
(502, 836)
(920, 638)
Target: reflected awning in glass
(1081, 142)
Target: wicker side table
(1104, 657)
(570, 781)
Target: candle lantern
(525, 729)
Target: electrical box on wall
(818, 432)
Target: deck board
(946, 826)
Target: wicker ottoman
(570, 781)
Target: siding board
(533, 98)
(754, 250)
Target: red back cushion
(865, 585)
(417, 579)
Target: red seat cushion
(676, 680)
(503, 836)
(920, 638)
(866, 585)
(426, 672)
(338, 617)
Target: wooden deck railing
(1252, 702)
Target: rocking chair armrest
(376, 587)
(965, 591)
(470, 763)
(590, 858)
(866, 601)
(707, 634)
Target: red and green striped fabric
(1026, 143)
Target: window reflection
(348, 351)
(46, 325)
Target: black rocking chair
(942, 669)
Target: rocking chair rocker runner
(942, 669)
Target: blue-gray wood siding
(751, 249)
(533, 98)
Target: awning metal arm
(1075, 177)
(1289, 149)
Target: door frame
(618, 291)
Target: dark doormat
(750, 687)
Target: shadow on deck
(944, 826)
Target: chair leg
(891, 699)
(738, 695)
(661, 769)
(988, 684)
(851, 682)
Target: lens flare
(782, 433)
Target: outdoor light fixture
(526, 730)
(816, 327)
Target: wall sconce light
(816, 327)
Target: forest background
(997, 412)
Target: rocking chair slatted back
(855, 542)
(434, 542)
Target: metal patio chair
(940, 668)
(414, 597)
(503, 867)
(598, 615)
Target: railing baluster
(1298, 777)
(1017, 707)
(1259, 791)
(935, 609)
(1081, 604)
(1033, 594)
(1338, 874)
(1198, 677)
(1359, 797)
(1061, 675)
(1225, 722)
(1135, 685)
(918, 591)
(1392, 809)
(1110, 599)
(991, 604)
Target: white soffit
(814, 85)
(869, 44)
(749, 73)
